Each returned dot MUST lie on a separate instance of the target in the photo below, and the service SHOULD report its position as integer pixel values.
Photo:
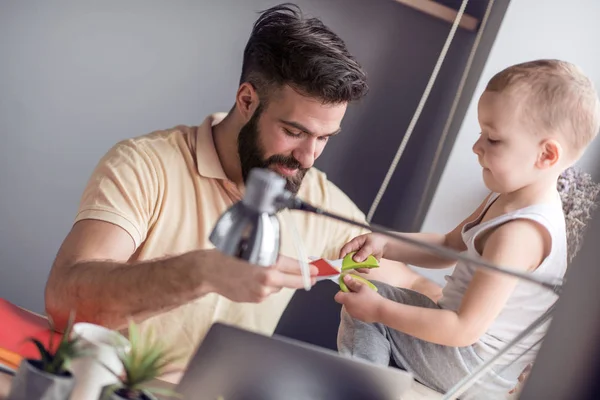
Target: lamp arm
(553, 284)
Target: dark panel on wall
(401, 50)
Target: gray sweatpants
(436, 366)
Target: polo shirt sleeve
(122, 190)
(341, 232)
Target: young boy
(536, 119)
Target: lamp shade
(249, 230)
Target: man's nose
(306, 153)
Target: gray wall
(75, 77)
(553, 31)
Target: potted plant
(146, 360)
(48, 378)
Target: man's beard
(252, 155)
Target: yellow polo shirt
(167, 189)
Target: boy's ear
(550, 154)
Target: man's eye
(323, 138)
(290, 133)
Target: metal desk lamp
(250, 231)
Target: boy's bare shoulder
(523, 241)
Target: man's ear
(551, 153)
(246, 100)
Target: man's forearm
(110, 293)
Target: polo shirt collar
(207, 159)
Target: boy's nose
(477, 149)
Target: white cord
(418, 111)
(452, 112)
(300, 251)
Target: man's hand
(361, 302)
(364, 246)
(241, 281)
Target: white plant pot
(102, 346)
(31, 383)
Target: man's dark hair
(285, 48)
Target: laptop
(236, 364)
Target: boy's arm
(409, 254)
(486, 295)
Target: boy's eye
(489, 140)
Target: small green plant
(57, 362)
(146, 360)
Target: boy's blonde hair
(557, 96)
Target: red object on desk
(17, 326)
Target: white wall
(530, 30)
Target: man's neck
(225, 136)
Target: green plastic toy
(344, 288)
(349, 264)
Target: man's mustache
(288, 162)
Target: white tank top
(528, 301)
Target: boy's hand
(365, 245)
(361, 302)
